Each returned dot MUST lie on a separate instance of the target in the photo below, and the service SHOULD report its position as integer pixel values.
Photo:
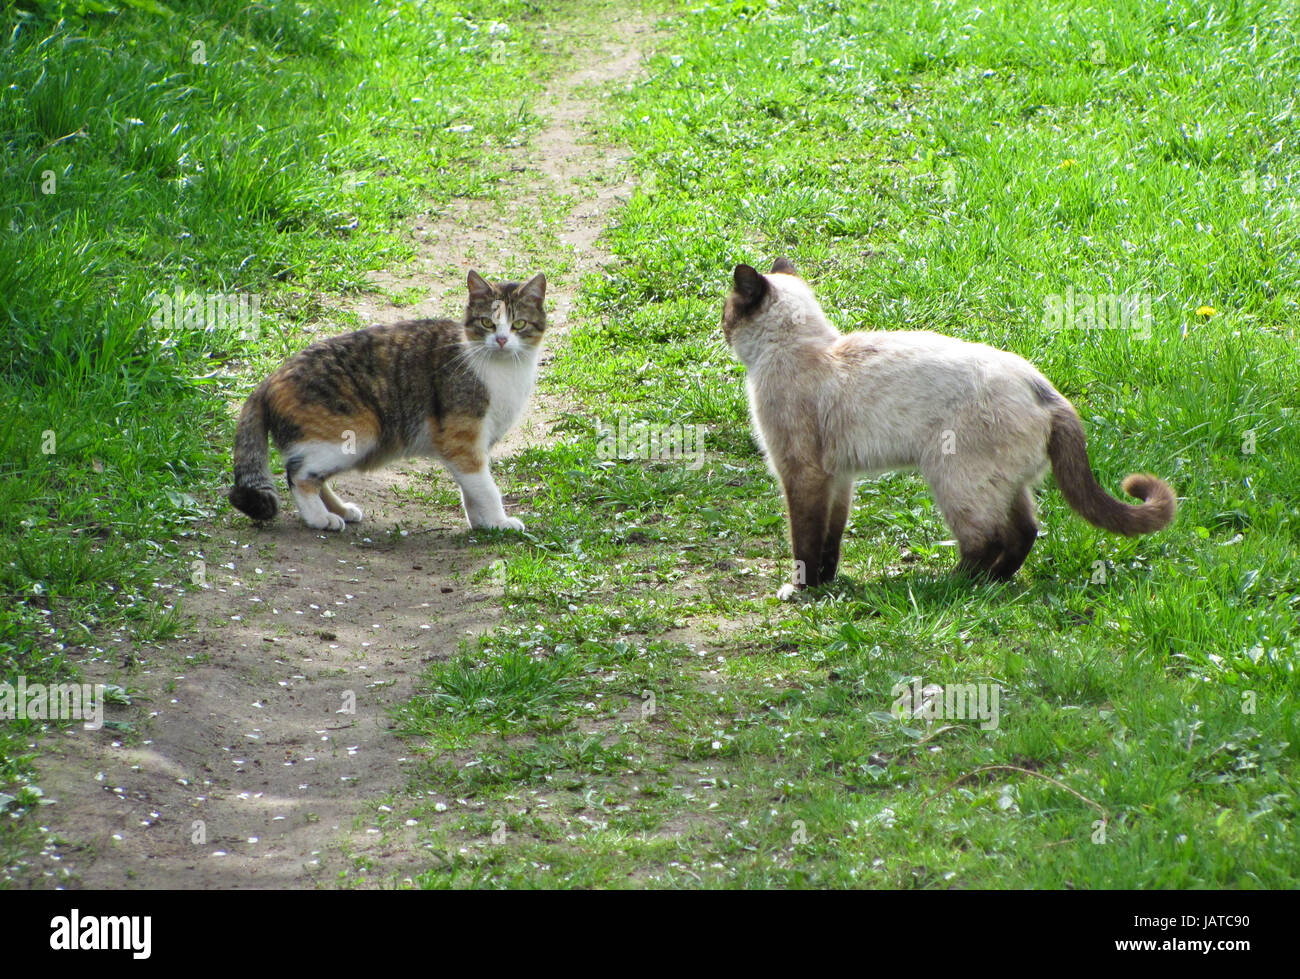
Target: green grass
(262, 150)
(943, 166)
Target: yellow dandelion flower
(1206, 311)
(1067, 163)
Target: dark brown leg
(841, 500)
(807, 495)
(1018, 538)
(978, 557)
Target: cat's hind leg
(348, 511)
(307, 466)
(1018, 537)
(312, 509)
(977, 506)
(979, 554)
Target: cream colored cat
(981, 424)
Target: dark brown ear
(478, 287)
(784, 266)
(750, 288)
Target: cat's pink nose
(502, 341)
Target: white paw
(787, 592)
(501, 523)
(328, 521)
(353, 513)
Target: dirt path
(248, 770)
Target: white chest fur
(509, 383)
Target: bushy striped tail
(254, 489)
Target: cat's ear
(534, 288)
(784, 266)
(478, 286)
(750, 287)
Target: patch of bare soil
(262, 741)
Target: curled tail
(254, 490)
(1067, 448)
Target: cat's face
(768, 308)
(506, 319)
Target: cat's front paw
(353, 513)
(327, 521)
(787, 592)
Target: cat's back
(935, 356)
(930, 378)
(380, 364)
(922, 344)
(376, 349)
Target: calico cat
(441, 388)
(981, 424)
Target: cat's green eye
(520, 325)
(485, 324)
